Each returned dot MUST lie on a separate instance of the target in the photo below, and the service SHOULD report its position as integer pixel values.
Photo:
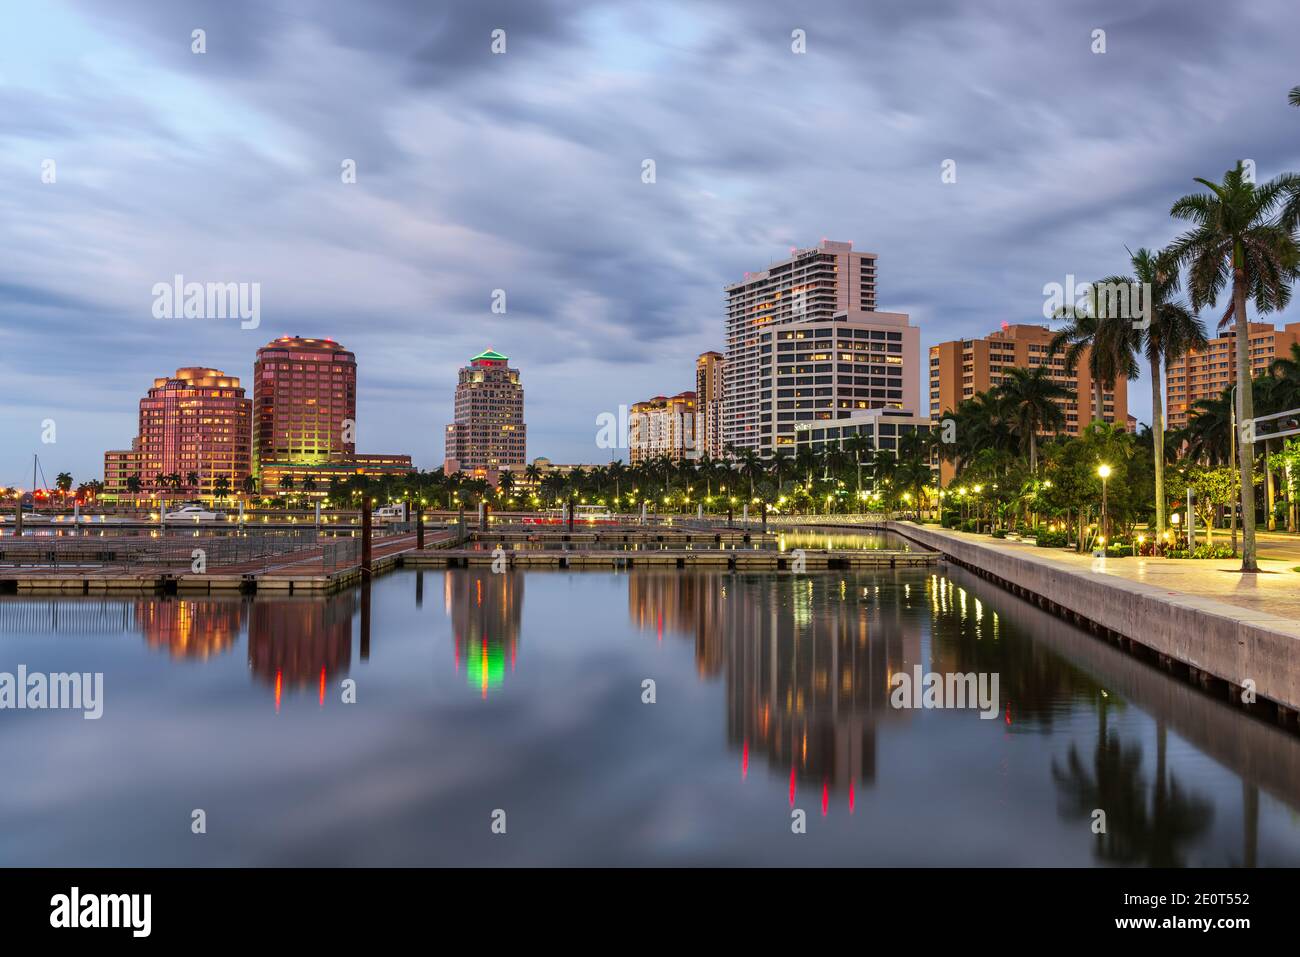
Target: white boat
(191, 513)
(29, 518)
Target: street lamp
(1104, 472)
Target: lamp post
(1104, 472)
(1232, 458)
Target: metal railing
(181, 551)
(340, 553)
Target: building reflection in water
(807, 662)
(189, 628)
(296, 644)
(485, 609)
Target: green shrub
(1202, 551)
(1050, 539)
(999, 533)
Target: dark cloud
(523, 172)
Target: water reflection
(1153, 830)
(780, 697)
(190, 629)
(485, 609)
(301, 643)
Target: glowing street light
(1103, 470)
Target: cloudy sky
(522, 171)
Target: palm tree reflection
(1155, 834)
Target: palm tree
(221, 486)
(1236, 235)
(1030, 396)
(1208, 430)
(858, 445)
(1171, 331)
(1101, 335)
(1294, 97)
(750, 462)
(982, 422)
(63, 482)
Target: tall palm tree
(750, 462)
(1171, 331)
(1100, 336)
(858, 446)
(1237, 237)
(1030, 396)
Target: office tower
(709, 370)
(1206, 373)
(304, 402)
(663, 426)
(806, 344)
(194, 424)
(305, 419)
(488, 432)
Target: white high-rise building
(806, 344)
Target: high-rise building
(195, 423)
(488, 432)
(709, 368)
(963, 367)
(1204, 374)
(304, 402)
(305, 418)
(663, 426)
(805, 344)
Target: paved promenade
(1242, 629)
(1275, 591)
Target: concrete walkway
(1205, 614)
(1275, 591)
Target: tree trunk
(1246, 413)
(1158, 441)
(1098, 399)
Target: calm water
(523, 692)
(774, 540)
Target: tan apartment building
(488, 432)
(1206, 373)
(663, 426)
(709, 371)
(806, 344)
(963, 367)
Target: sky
(522, 171)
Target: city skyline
(612, 284)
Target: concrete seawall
(1214, 640)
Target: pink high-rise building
(193, 425)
